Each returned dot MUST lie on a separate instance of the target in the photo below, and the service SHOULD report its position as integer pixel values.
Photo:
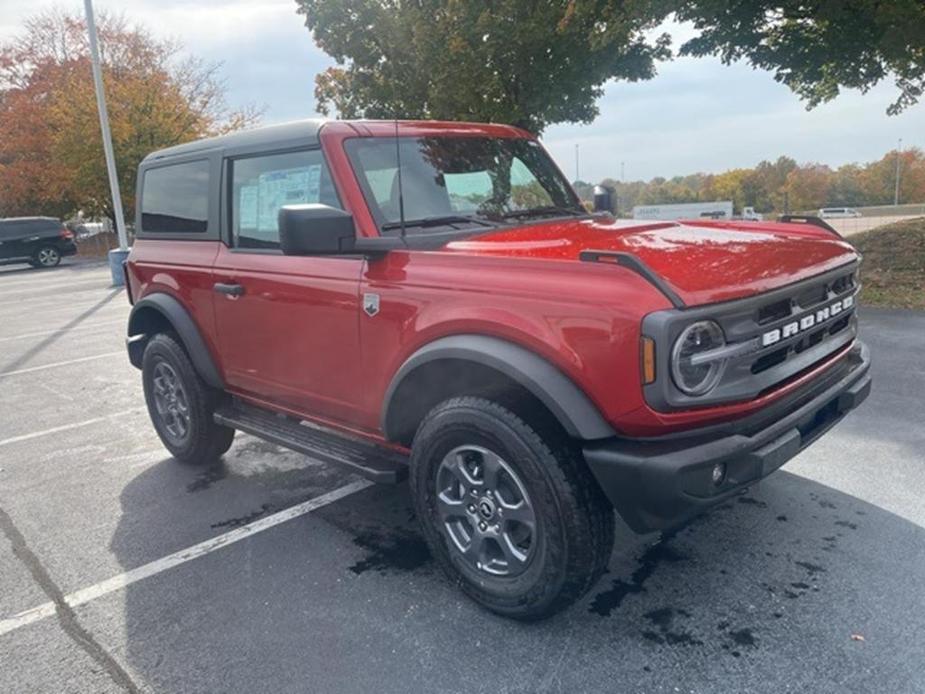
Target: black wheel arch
(158, 312)
(560, 395)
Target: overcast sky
(696, 115)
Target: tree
(529, 64)
(817, 48)
(51, 153)
(878, 179)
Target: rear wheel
(509, 509)
(181, 405)
(46, 256)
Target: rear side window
(8, 230)
(175, 198)
(260, 186)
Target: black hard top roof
(265, 138)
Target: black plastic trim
(658, 484)
(808, 219)
(185, 327)
(567, 402)
(631, 262)
(738, 318)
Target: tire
(182, 413)
(46, 257)
(518, 571)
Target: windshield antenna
(401, 199)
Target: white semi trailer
(721, 209)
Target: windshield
(458, 182)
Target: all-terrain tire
(201, 441)
(574, 522)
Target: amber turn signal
(648, 360)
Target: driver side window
(261, 186)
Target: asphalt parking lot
(122, 570)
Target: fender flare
(564, 399)
(182, 322)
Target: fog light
(719, 473)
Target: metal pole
(577, 177)
(104, 127)
(622, 177)
(899, 150)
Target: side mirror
(315, 230)
(604, 199)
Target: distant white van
(838, 212)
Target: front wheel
(509, 510)
(181, 405)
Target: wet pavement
(123, 570)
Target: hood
(703, 262)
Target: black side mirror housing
(604, 199)
(316, 230)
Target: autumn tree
(529, 64)
(782, 185)
(51, 153)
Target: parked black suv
(39, 241)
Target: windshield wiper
(436, 222)
(542, 211)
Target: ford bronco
(431, 300)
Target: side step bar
(368, 460)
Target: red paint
(703, 263)
(298, 340)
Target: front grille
(772, 337)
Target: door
(287, 325)
(13, 240)
(6, 240)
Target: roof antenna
(401, 199)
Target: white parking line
(122, 580)
(56, 364)
(91, 283)
(82, 326)
(68, 427)
(47, 284)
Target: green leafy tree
(817, 48)
(525, 63)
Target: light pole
(577, 177)
(899, 150)
(115, 257)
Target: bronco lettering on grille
(806, 322)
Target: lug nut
(483, 526)
(471, 508)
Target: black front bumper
(659, 483)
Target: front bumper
(659, 483)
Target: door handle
(232, 290)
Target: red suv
(432, 299)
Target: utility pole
(622, 177)
(899, 150)
(577, 177)
(115, 258)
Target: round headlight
(697, 338)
